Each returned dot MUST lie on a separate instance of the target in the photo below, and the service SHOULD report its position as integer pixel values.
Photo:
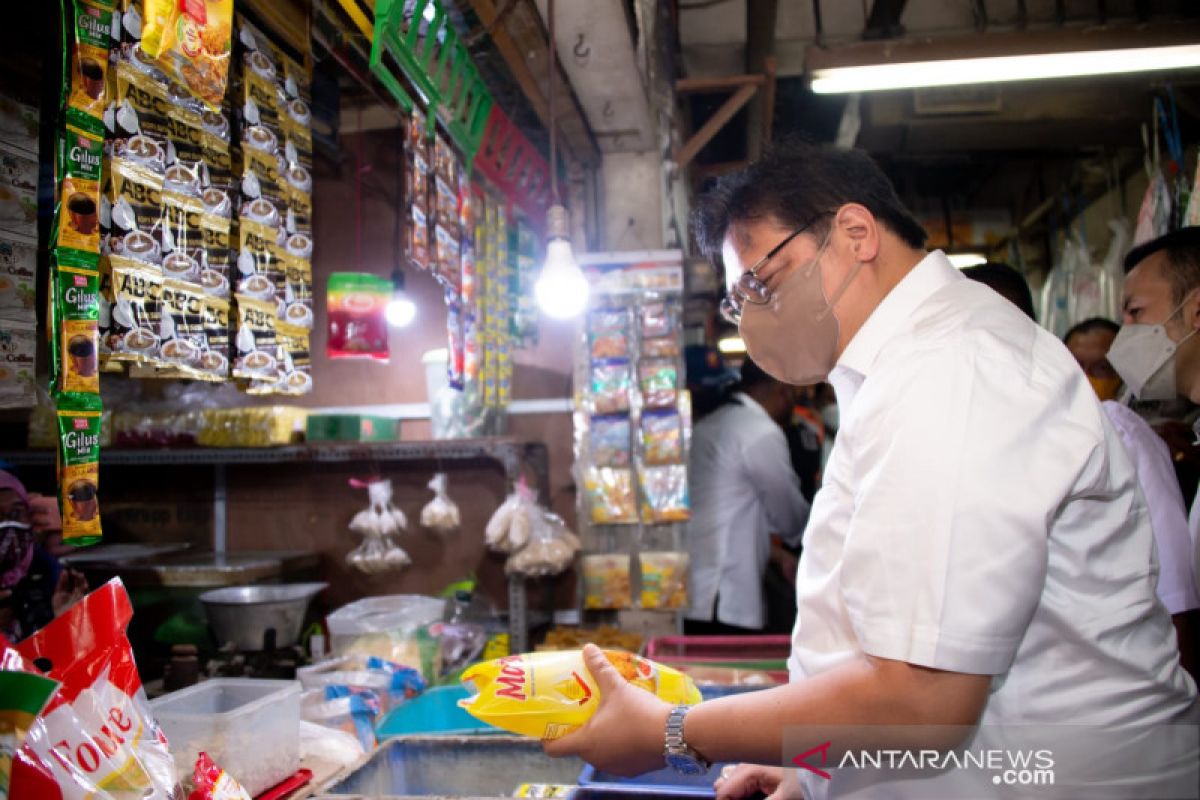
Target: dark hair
(1090, 325)
(752, 375)
(1183, 258)
(1006, 281)
(796, 183)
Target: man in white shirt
(978, 554)
(743, 489)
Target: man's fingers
(563, 746)
(604, 673)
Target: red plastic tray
(674, 649)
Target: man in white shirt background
(979, 553)
(743, 490)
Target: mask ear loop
(837, 295)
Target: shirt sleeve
(1156, 476)
(769, 467)
(957, 483)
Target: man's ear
(859, 225)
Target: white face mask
(1144, 356)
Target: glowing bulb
(401, 311)
(561, 290)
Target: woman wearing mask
(976, 555)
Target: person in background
(743, 490)
(1089, 342)
(34, 587)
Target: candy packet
(548, 695)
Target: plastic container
(250, 727)
(766, 653)
(435, 373)
(663, 782)
(434, 713)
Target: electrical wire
(553, 122)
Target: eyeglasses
(749, 288)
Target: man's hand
(745, 780)
(44, 514)
(71, 588)
(627, 733)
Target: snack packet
(548, 695)
(610, 494)
(80, 159)
(191, 41)
(610, 441)
(662, 437)
(210, 782)
(357, 321)
(611, 384)
(606, 581)
(665, 494)
(659, 379)
(79, 467)
(664, 579)
(88, 27)
(96, 738)
(23, 695)
(76, 312)
(255, 345)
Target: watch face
(685, 765)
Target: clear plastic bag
(611, 384)
(665, 494)
(512, 523)
(662, 437)
(606, 581)
(664, 579)
(377, 525)
(389, 627)
(609, 333)
(659, 379)
(550, 550)
(610, 495)
(609, 441)
(441, 513)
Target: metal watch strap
(675, 744)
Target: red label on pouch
(195, 9)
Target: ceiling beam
(575, 135)
(714, 124)
(698, 85)
(761, 16)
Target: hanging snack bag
(96, 738)
(78, 467)
(548, 695)
(608, 330)
(611, 384)
(293, 371)
(658, 319)
(80, 158)
(298, 292)
(131, 209)
(606, 581)
(182, 337)
(664, 494)
(214, 361)
(76, 312)
(298, 191)
(191, 41)
(659, 379)
(610, 495)
(255, 346)
(357, 303)
(664, 579)
(89, 26)
(662, 437)
(609, 441)
(133, 335)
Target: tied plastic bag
(377, 525)
(441, 513)
(512, 523)
(213, 783)
(548, 695)
(550, 550)
(392, 628)
(96, 739)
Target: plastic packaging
(664, 579)
(441, 513)
(662, 437)
(23, 695)
(357, 304)
(610, 495)
(391, 628)
(606, 581)
(79, 467)
(550, 550)
(88, 25)
(512, 523)
(393, 683)
(548, 695)
(664, 494)
(210, 782)
(191, 42)
(659, 380)
(611, 384)
(97, 737)
(348, 709)
(377, 525)
(609, 439)
(609, 333)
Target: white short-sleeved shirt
(743, 489)
(979, 515)
(1160, 487)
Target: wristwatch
(678, 755)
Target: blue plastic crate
(660, 782)
(435, 712)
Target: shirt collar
(749, 402)
(894, 312)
